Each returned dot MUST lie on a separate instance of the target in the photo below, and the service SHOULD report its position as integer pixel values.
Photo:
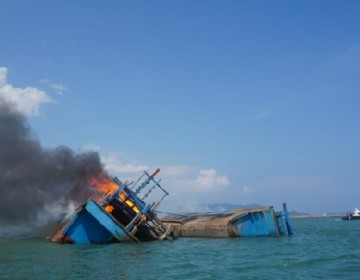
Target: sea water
(321, 248)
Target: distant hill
(295, 213)
(224, 207)
(218, 207)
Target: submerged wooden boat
(117, 217)
(262, 221)
(121, 215)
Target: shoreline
(317, 216)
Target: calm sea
(321, 248)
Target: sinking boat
(262, 221)
(355, 215)
(121, 216)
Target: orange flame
(103, 184)
(109, 208)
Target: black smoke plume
(37, 184)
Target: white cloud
(3, 74)
(188, 187)
(176, 179)
(59, 89)
(25, 100)
(248, 190)
(180, 181)
(209, 178)
(92, 147)
(115, 166)
(193, 180)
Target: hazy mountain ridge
(218, 207)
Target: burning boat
(119, 215)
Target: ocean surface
(321, 248)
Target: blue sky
(236, 101)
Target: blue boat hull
(116, 216)
(94, 225)
(258, 223)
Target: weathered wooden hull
(263, 221)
